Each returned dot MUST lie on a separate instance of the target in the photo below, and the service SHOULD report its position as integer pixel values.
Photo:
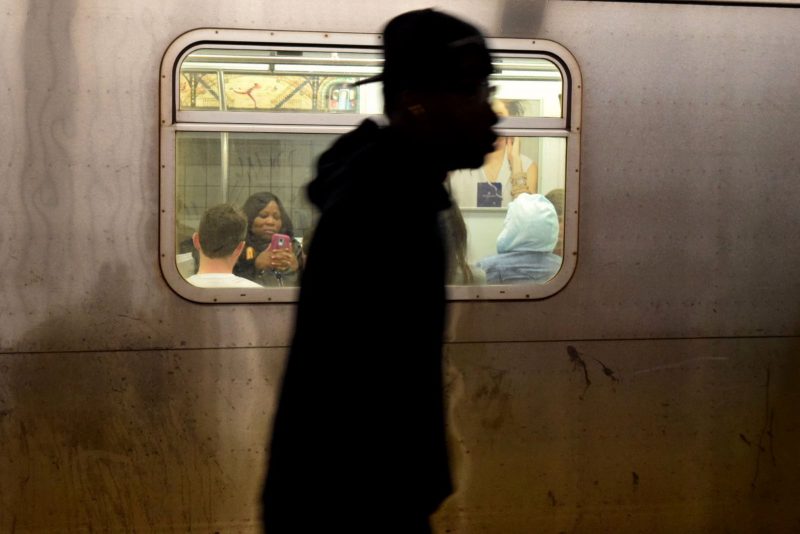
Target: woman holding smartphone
(272, 256)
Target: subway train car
(648, 382)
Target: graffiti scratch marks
(680, 365)
(607, 371)
(577, 361)
(766, 433)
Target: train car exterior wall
(657, 392)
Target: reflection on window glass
(282, 80)
(254, 91)
(199, 90)
(262, 174)
(528, 174)
(535, 84)
(198, 178)
(313, 81)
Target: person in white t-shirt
(220, 241)
(505, 172)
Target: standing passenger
(504, 174)
(358, 442)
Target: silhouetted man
(359, 441)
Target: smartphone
(280, 241)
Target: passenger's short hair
(221, 230)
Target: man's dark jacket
(359, 430)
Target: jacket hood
(531, 225)
(379, 163)
(343, 155)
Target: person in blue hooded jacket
(525, 245)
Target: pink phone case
(280, 241)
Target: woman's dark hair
(454, 230)
(256, 202)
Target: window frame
(173, 120)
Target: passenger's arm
(521, 181)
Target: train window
(245, 115)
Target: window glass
(483, 196)
(533, 85)
(281, 80)
(216, 168)
(199, 90)
(291, 80)
(248, 122)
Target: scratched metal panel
(167, 441)
(642, 436)
(627, 436)
(689, 173)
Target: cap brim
(372, 79)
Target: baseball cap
(428, 48)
